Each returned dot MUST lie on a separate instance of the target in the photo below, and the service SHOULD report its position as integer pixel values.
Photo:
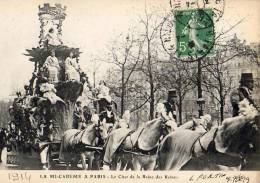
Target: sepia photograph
(130, 90)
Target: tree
(150, 65)
(217, 80)
(125, 54)
(4, 115)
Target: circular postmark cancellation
(167, 34)
(216, 5)
(188, 33)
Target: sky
(91, 25)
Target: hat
(246, 77)
(109, 104)
(172, 93)
(78, 102)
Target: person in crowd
(103, 96)
(12, 136)
(17, 110)
(108, 116)
(27, 90)
(51, 68)
(170, 105)
(48, 91)
(2, 142)
(87, 115)
(161, 111)
(243, 92)
(78, 117)
(72, 69)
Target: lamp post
(201, 106)
(200, 100)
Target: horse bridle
(97, 129)
(163, 127)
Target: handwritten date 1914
(19, 177)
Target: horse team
(160, 145)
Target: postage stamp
(194, 32)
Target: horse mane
(149, 123)
(86, 132)
(90, 127)
(235, 129)
(247, 109)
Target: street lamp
(201, 106)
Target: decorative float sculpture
(46, 110)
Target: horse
(221, 148)
(202, 124)
(137, 147)
(74, 141)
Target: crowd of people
(104, 108)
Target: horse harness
(194, 125)
(81, 146)
(136, 150)
(211, 147)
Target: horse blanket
(116, 138)
(176, 148)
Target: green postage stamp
(194, 32)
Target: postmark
(167, 34)
(217, 6)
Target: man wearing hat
(108, 116)
(244, 91)
(170, 104)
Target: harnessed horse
(81, 144)
(222, 148)
(138, 147)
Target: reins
(205, 151)
(136, 150)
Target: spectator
(78, 118)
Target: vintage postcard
(130, 91)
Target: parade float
(45, 111)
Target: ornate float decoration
(46, 110)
